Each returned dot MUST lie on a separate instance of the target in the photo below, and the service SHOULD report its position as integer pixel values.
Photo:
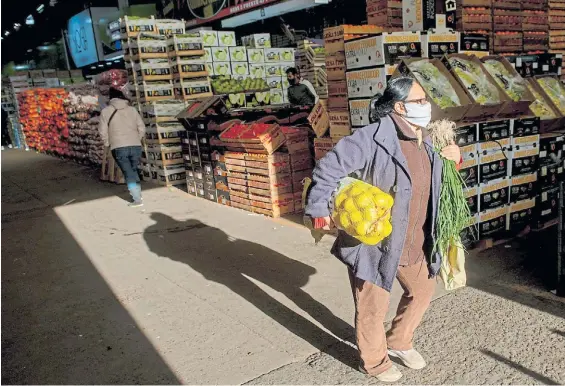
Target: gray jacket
(125, 129)
(373, 155)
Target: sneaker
(389, 376)
(135, 204)
(410, 358)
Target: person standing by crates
(122, 130)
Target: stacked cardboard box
(551, 172)
(507, 26)
(335, 39)
(385, 13)
(301, 162)
(311, 62)
(557, 26)
(369, 62)
(474, 15)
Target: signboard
(105, 32)
(208, 10)
(81, 41)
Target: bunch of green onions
(454, 213)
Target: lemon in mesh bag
(362, 211)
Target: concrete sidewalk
(188, 291)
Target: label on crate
(492, 222)
(472, 196)
(365, 83)
(469, 171)
(494, 195)
(466, 135)
(494, 130)
(525, 161)
(525, 126)
(138, 25)
(185, 43)
(552, 148)
(493, 167)
(359, 111)
(520, 215)
(436, 45)
(523, 187)
(549, 176)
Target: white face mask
(417, 114)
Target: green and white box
(256, 55)
(238, 54)
(221, 54)
(226, 38)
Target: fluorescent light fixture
(271, 11)
(30, 50)
(40, 8)
(44, 48)
(93, 67)
(21, 67)
(30, 20)
(100, 65)
(17, 26)
(6, 33)
(118, 55)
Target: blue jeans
(127, 159)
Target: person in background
(122, 130)
(300, 91)
(6, 141)
(395, 154)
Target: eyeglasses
(421, 101)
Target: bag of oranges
(362, 211)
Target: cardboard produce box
(494, 195)
(421, 15)
(550, 176)
(335, 37)
(552, 148)
(186, 45)
(493, 161)
(226, 38)
(319, 120)
(147, 46)
(494, 130)
(437, 43)
(466, 134)
(381, 49)
(154, 91)
(456, 113)
(525, 155)
(192, 88)
(257, 41)
(474, 44)
(365, 83)
(359, 112)
(469, 168)
(458, 66)
(340, 123)
(472, 197)
(132, 26)
(521, 127)
(492, 223)
(524, 187)
(336, 67)
(188, 67)
(547, 206)
(520, 215)
(169, 27)
(164, 132)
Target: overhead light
(271, 11)
(30, 50)
(6, 33)
(40, 8)
(53, 3)
(30, 20)
(17, 26)
(93, 67)
(100, 65)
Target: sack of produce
(362, 211)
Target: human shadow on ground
(232, 262)
(537, 376)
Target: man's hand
(452, 153)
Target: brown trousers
(371, 306)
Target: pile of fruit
(474, 79)
(540, 107)
(243, 132)
(362, 211)
(435, 84)
(555, 90)
(512, 84)
(226, 85)
(44, 121)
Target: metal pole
(66, 50)
(560, 246)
